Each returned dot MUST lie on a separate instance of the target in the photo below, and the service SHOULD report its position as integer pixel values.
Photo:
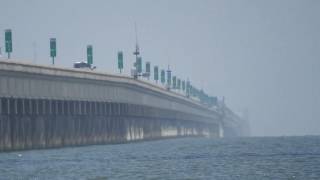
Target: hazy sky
(262, 55)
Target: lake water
(185, 158)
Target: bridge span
(46, 107)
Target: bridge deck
(28, 80)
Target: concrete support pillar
(109, 108)
(96, 108)
(30, 109)
(99, 108)
(26, 106)
(41, 107)
(102, 108)
(71, 107)
(119, 109)
(50, 107)
(62, 107)
(23, 106)
(123, 113)
(105, 108)
(39, 104)
(100, 112)
(56, 107)
(77, 105)
(127, 109)
(45, 106)
(37, 107)
(65, 107)
(80, 109)
(8, 106)
(90, 108)
(0, 106)
(114, 109)
(19, 106)
(74, 103)
(15, 105)
(84, 107)
(68, 107)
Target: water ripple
(189, 158)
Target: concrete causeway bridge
(47, 107)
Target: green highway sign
(120, 60)
(89, 54)
(163, 78)
(53, 47)
(148, 67)
(174, 82)
(188, 88)
(8, 41)
(169, 78)
(156, 73)
(139, 65)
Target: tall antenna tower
(137, 50)
(138, 63)
(168, 78)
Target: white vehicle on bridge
(83, 65)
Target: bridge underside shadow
(45, 123)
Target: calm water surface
(188, 158)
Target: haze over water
(263, 56)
